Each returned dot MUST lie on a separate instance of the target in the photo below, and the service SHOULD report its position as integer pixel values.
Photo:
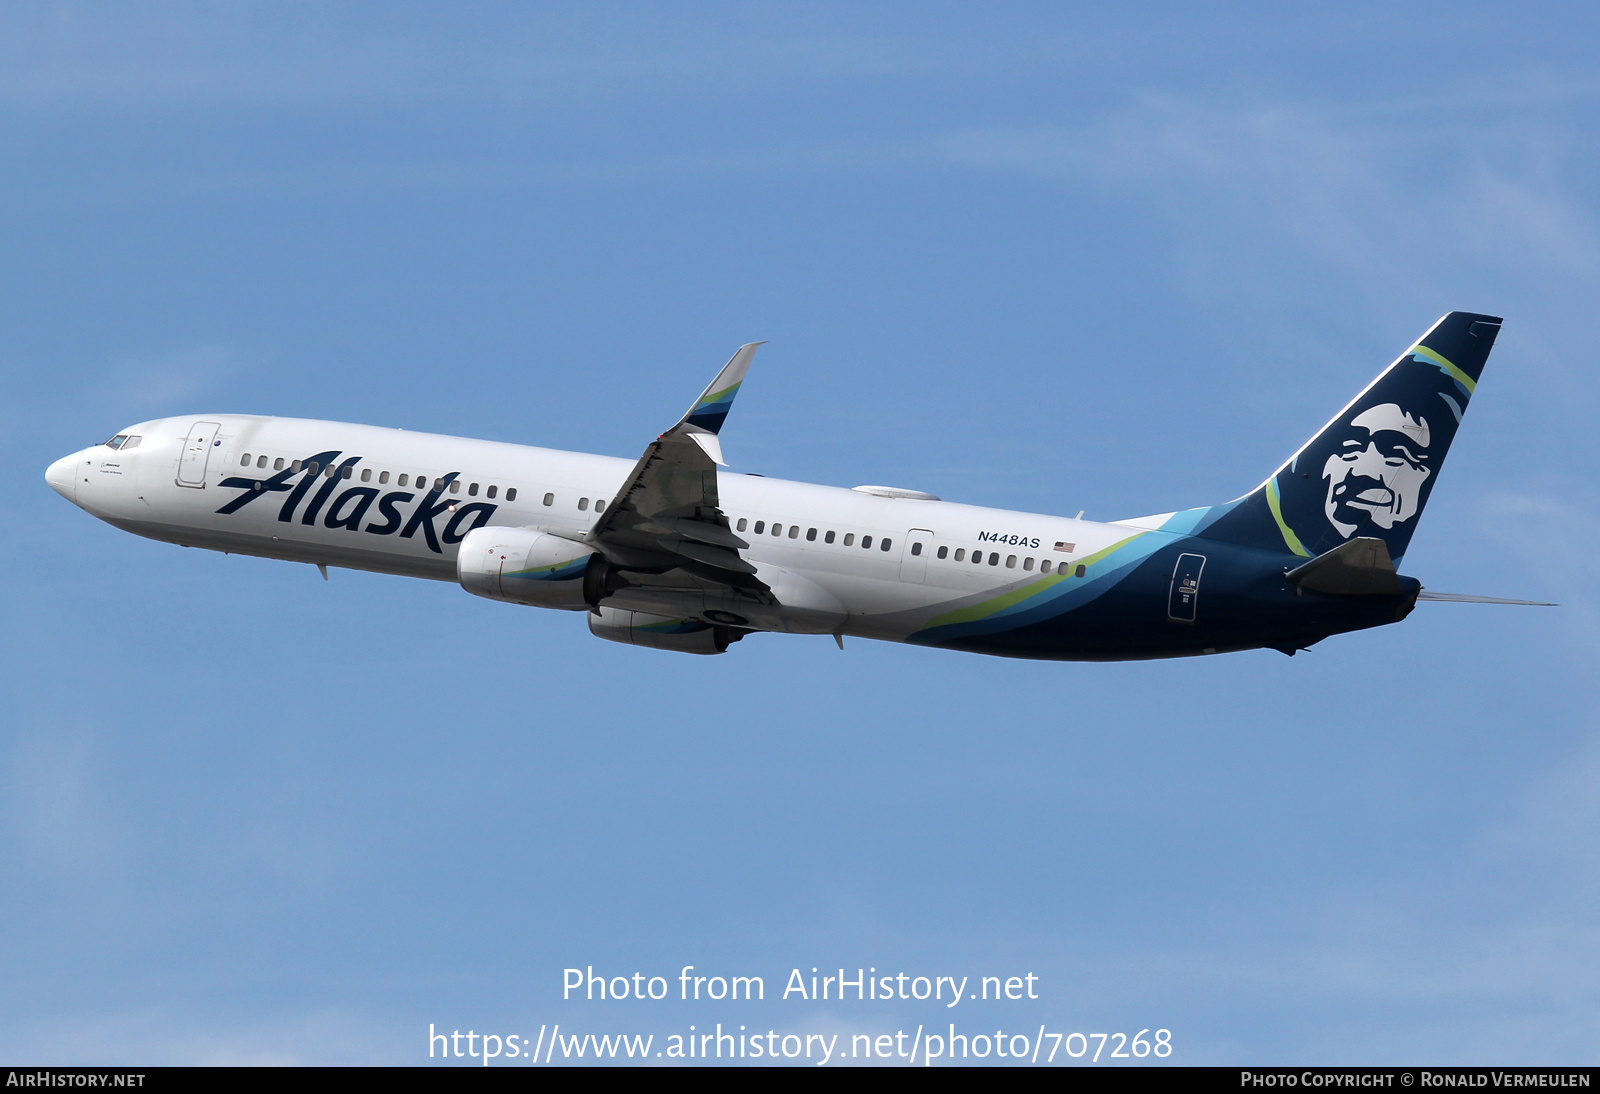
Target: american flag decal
(1067, 547)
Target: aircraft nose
(63, 477)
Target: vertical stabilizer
(1369, 472)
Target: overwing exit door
(197, 453)
(914, 559)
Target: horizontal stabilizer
(1467, 598)
(896, 492)
(1359, 567)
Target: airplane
(671, 551)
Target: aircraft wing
(667, 514)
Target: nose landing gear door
(196, 454)
(1184, 596)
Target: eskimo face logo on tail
(1376, 473)
(349, 509)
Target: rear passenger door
(1183, 597)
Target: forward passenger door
(196, 454)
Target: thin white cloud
(159, 382)
(55, 793)
(67, 56)
(165, 1036)
(1552, 533)
(1388, 199)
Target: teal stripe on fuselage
(1186, 522)
(1056, 595)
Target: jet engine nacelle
(523, 566)
(662, 632)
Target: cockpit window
(131, 442)
(116, 442)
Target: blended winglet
(711, 409)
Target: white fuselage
(812, 540)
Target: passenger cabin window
(455, 486)
(599, 505)
(422, 481)
(549, 499)
(244, 461)
(1027, 564)
(277, 464)
(1011, 562)
(493, 490)
(472, 491)
(886, 545)
(511, 493)
(743, 524)
(811, 535)
(849, 539)
(761, 526)
(1081, 570)
(777, 529)
(295, 467)
(1044, 567)
(794, 531)
(312, 468)
(346, 471)
(583, 505)
(261, 461)
(866, 542)
(961, 554)
(916, 548)
(829, 537)
(994, 559)
(383, 476)
(943, 551)
(366, 474)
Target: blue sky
(1048, 258)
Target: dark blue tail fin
(1369, 471)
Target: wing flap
(703, 532)
(719, 557)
